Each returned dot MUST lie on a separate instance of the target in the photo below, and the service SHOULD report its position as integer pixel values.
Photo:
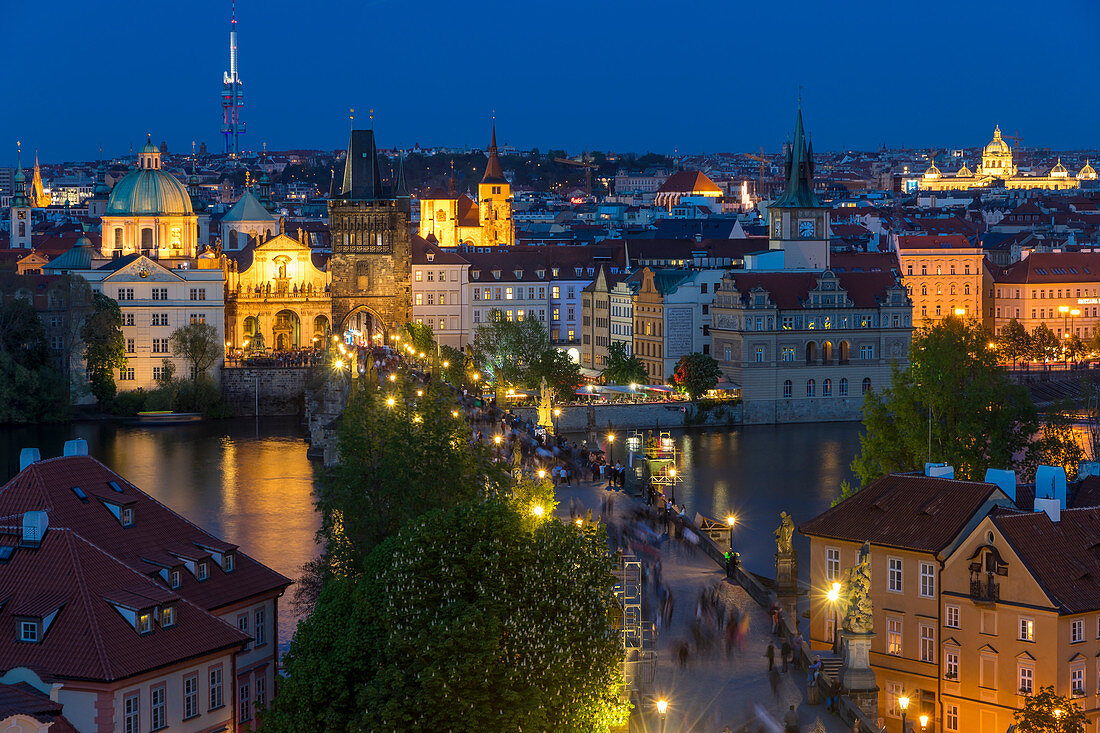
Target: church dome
(1059, 170)
(1088, 173)
(932, 173)
(964, 172)
(997, 146)
(149, 147)
(149, 192)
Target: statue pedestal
(786, 582)
(857, 679)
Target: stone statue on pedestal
(784, 535)
(857, 679)
(786, 566)
(857, 606)
(545, 419)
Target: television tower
(232, 95)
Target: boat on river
(165, 417)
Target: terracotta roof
(689, 182)
(863, 262)
(910, 511)
(89, 638)
(159, 537)
(23, 699)
(1063, 556)
(421, 248)
(934, 241)
(684, 249)
(791, 289)
(493, 171)
(530, 259)
(1052, 267)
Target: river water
(250, 482)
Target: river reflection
(248, 482)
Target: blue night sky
(643, 75)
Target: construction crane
(586, 163)
(1015, 141)
(760, 177)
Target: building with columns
(149, 213)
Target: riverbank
(597, 417)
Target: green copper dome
(149, 147)
(149, 192)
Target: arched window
(118, 238)
(843, 386)
(146, 238)
(952, 288)
(788, 389)
(844, 348)
(966, 289)
(866, 385)
(939, 288)
(811, 352)
(924, 290)
(810, 387)
(827, 388)
(826, 352)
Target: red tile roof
(1063, 556)
(158, 539)
(1052, 267)
(863, 262)
(792, 288)
(23, 699)
(909, 511)
(934, 241)
(89, 638)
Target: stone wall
(582, 418)
(276, 390)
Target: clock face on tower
(22, 215)
(806, 229)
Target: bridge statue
(545, 419)
(857, 679)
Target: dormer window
(126, 517)
(578, 271)
(145, 622)
(496, 274)
(541, 274)
(230, 562)
(475, 274)
(29, 631)
(554, 272)
(431, 257)
(202, 571)
(174, 578)
(518, 274)
(167, 617)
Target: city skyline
(866, 78)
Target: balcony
(985, 591)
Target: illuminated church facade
(453, 219)
(997, 170)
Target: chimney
(939, 470)
(1050, 483)
(34, 528)
(1088, 468)
(1051, 507)
(27, 456)
(1005, 481)
(77, 447)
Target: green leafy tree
(1015, 342)
(1057, 443)
(504, 350)
(1074, 347)
(395, 463)
(1047, 712)
(470, 619)
(104, 347)
(31, 395)
(1044, 344)
(452, 362)
(978, 418)
(623, 368)
(696, 374)
(22, 335)
(420, 337)
(199, 344)
(562, 374)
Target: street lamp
(903, 703)
(923, 722)
(611, 448)
(390, 401)
(542, 473)
(834, 595)
(662, 708)
(537, 510)
(731, 520)
(960, 312)
(1064, 310)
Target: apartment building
(1058, 289)
(439, 285)
(915, 525)
(596, 307)
(649, 319)
(186, 624)
(687, 315)
(944, 274)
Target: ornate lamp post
(903, 704)
(611, 448)
(834, 595)
(731, 520)
(662, 708)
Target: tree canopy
(1047, 712)
(562, 374)
(696, 374)
(469, 619)
(1015, 342)
(622, 368)
(104, 346)
(953, 387)
(503, 350)
(199, 344)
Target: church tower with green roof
(798, 221)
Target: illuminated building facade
(277, 296)
(454, 219)
(998, 169)
(1059, 289)
(943, 274)
(149, 212)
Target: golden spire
(39, 196)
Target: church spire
(362, 176)
(20, 197)
(401, 190)
(800, 171)
(493, 172)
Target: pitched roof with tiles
(791, 288)
(1062, 556)
(1052, 267)
(87, 591)
(908, 511)
(23, 699)
(934, 241)
(158, 539)
(688, 182)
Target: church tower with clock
(798, 221)
(20, 210)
